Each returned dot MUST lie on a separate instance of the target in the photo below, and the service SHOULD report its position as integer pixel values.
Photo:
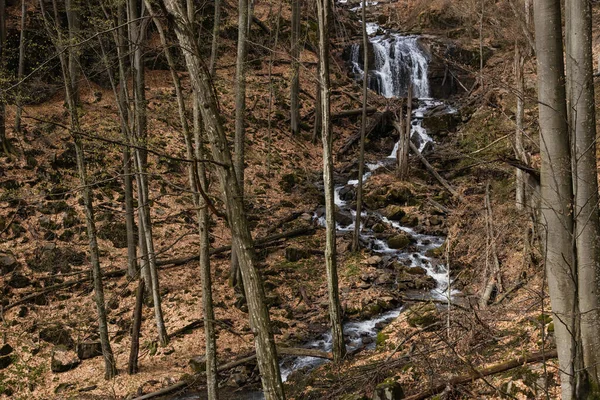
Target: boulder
(348, 193)
(63, 360)
(198, 364)
(116, 233)
(89, 349)
(373, 261)
(294, 254)
(416, 270)
(393, 212)
(57, 335)
(5, 362)
(438, 121)
(400, 241)
(400, 195)
(343, 218)
(51, 258)
(388, 390)
(422, 315)
(384, 278)
(7, 263)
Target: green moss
(381, 339)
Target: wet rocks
(348, 193)
(438, 121)
(343, 218)
(393, 212)
(400, 241)
(63, 360)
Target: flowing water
(399, 62)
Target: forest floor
(42, 230)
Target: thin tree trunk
(132, 366)
(240, 113)
(271, 94)
(295, 55)
(582, 119)
(407, 131)
(335, 315)
(74, 23)
(21, 68)
(109, 361)
(402, 152)
(363, 128)
(521, 154)
(3, 139)
(557, 191)
(215, 39)
(242, 239)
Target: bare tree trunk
(520, 113)
(404, 144)
(21, 68)
(109, 361)
(582, 120)
(242, 239)
(363, 128)
(240, 113)
(335, 315)
(295, 55)
(402, 152)
(3, 139)
(557, 192)
(215, 38)
(74, 23)
(132, 366)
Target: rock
(51, 258)
(399, 242)
(54, 207)
(379, 228)
(7, 263)
(6, 349)
(57, 335)
(237, 379)
(116, 233)
(400, 195)
(416, 270)
(435, 220)
(5, 362)
(422, 315)
(348, 193)
(89, 349)
(373, 261)
(70, 219)
(63, 360)
(343, 218)
(388, 390)
(410, 220)
(18, 281)
(364, 285)
(197, 364)
(294, 254)
(393, 212)
(384, 279)
(438, 121)
(67, 159)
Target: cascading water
(399, 62)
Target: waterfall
(398, 61)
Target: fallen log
(261, 242)
(478, 374)
(163, 391)
(351, 113)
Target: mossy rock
(400, 195)
(394, 212)
(288, 181)
(388, 390)
(422, 315)
(399, 242)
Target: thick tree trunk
(557, 191)
(295, 55)
(21, 68)
(242, 239)
(521, 154)
(363, 128)
(585, 181)
(335, 315)
(109, 360)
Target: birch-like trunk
(557, 191)
(582, 120)
(521, 154)
(335, 314)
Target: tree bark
(21, 68)
(132, 366)
(582, 120)
(557, 192)
(242, 240)
(3, 139)
(215, 39)
(74, 23)
(295, 55)
(363, 128)
(335, 315)
(520, 153)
